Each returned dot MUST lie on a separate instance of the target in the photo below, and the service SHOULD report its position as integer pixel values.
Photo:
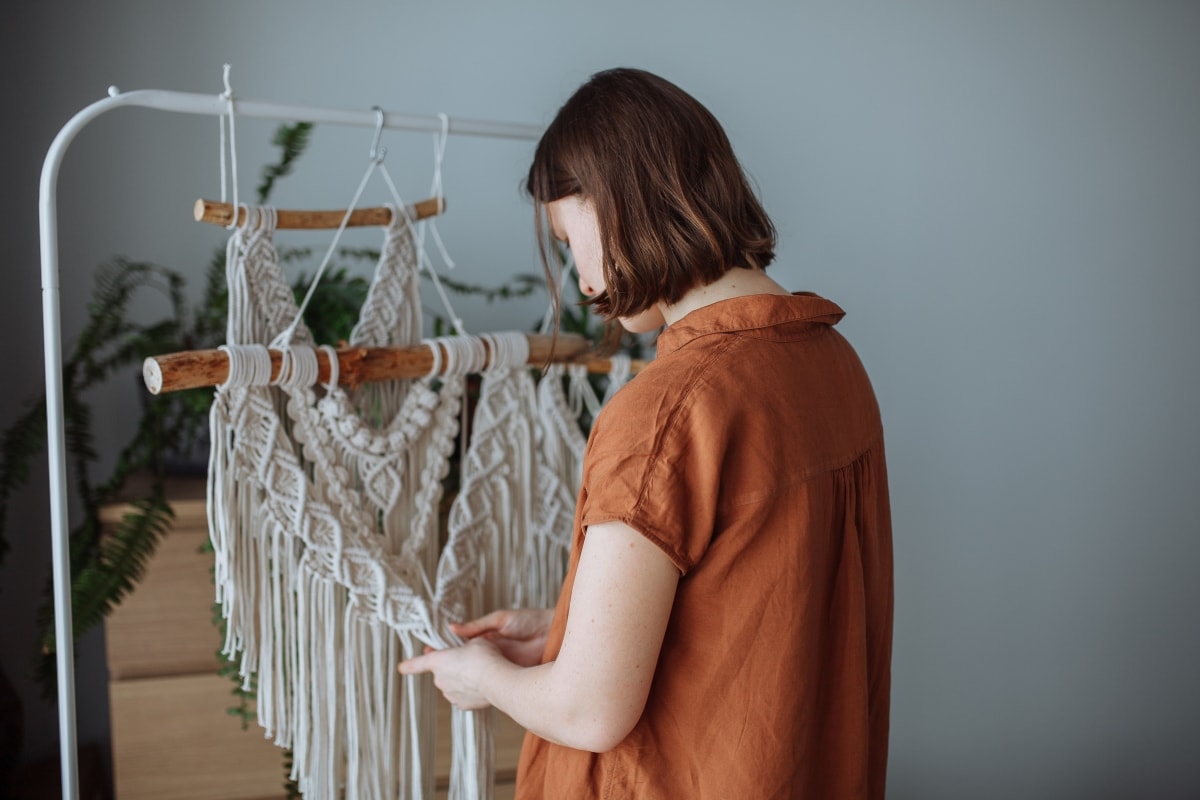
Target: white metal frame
(184, 103)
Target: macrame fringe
(472, 757)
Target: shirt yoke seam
(833, 465)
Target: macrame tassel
(372, 695)
(359, 782)
(472, 766)
(416, 755)
(301, 701)
(324, 753)
(220, 496)
(268, 628)
(278, 621)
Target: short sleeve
(653, 463)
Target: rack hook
(377, 153)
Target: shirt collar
(771, 316)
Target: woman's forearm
(559, 710)
(592, 695)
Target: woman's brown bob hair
(675, 210)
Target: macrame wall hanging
(323, 506)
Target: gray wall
(1003, 196)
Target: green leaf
(292, 141)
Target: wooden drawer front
(165, 626)
(173, 740)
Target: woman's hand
(621, 601)
(518, 633)
(495, 642)
(460, 672)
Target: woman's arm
(593, 694)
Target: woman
(724, 629)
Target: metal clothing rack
(183, 103)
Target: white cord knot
(249, 365)
(510, 349)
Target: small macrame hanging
(323, 517)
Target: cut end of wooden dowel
(152, 375)
(198, 209)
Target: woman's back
(751, 453)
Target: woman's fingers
(415, 665)
(477, 627)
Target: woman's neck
(737, 282)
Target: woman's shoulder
(669, 393)
(661, 379)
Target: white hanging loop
(439, 153)
(227, 95)
(301, 368)
(455, 321)
(334, 366)
(435, 348)
(510, 349)
(435, 188)
(377, 153)
(375, 157)
(423, 260)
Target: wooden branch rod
(219, 213)
(356, 365)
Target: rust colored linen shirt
(751, 452)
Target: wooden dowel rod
(599, 365)
(221, 213)
(356, 365)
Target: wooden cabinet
(171, 735)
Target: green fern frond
(289, 254)
(292, 140)
(371, 254)
(104, 569)
(291, 787)
(521, 285)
